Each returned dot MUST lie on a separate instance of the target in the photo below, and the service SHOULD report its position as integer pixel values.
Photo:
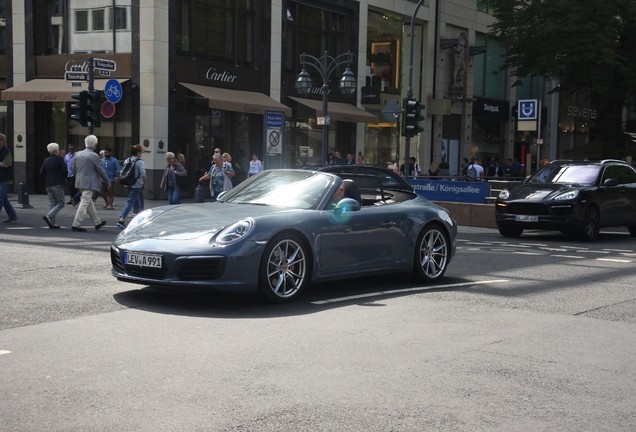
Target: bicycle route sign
(113, 91)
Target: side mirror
(347, 205)
(610, 182)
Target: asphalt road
(535, 334)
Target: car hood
(190, 221)
(538, 191)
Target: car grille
(525, 209)
(202, 268)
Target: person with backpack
(474, 171)
(133, 169)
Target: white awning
(49, 90)
(339, 111)
(238, 100)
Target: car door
(367, 240)
(626, 177)
(615, 200)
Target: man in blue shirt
(111, 166)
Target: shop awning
(339, 111)
(238, 100)
(49, 90)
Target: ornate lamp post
(326, 66)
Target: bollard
(199, 194)
(23, 196)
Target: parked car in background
(280, 230)
(571, 196)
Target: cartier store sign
(217, 74)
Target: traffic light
(412, 117)
(93, 108)
(78, 110)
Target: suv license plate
(143, 260)
(523, 218)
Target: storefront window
(312, 30)
(223, 30)
(489, 79)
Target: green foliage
(589, 46)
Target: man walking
(89, 176)
(6, 179)
(53, 170)
(111, 166)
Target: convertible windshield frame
(294, 189)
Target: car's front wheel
(284, 268)
(591, 224)
(432, 254)
(509, 231)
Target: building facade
(203, 74)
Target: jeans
(4, 201)
(132, 203)
(56, 200)
(174, 195)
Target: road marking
(592, 251)
(526, 253)
(619, 250)
(4, 352)
(405, 290)
(613, 260)
(568, 256)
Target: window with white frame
(81, 20)
(118, 15)
(99, 22)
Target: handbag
(182, 181)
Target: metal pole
(325, 111)
(409, 89)
(538, 133)
(91, 87)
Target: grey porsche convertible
(282, 229)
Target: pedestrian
(169, 181)
(53, 170)
(433, 171)
(89, 176)
(338, 159)
(330, 159)
(256, 166)
(361, 159)
(219, 177)
(70, 179)
(349, 160)
(6, 180)
(415, 167)
(112, 168)
(135, 190)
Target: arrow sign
(391, 111)
(105, 65)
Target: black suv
(571, 196)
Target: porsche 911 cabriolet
(282, 229)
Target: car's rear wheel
(432, 254)
(591, 224)
(632, 230)
(509, 231)
(284, 268)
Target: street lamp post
(326, 66)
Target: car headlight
(504, 194)
(570, 195)
(235, 232)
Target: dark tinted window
(622, 174)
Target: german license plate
(142, 260)
(524, 218)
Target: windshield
(282, 188)
(561, 173)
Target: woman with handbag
(173, 177)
